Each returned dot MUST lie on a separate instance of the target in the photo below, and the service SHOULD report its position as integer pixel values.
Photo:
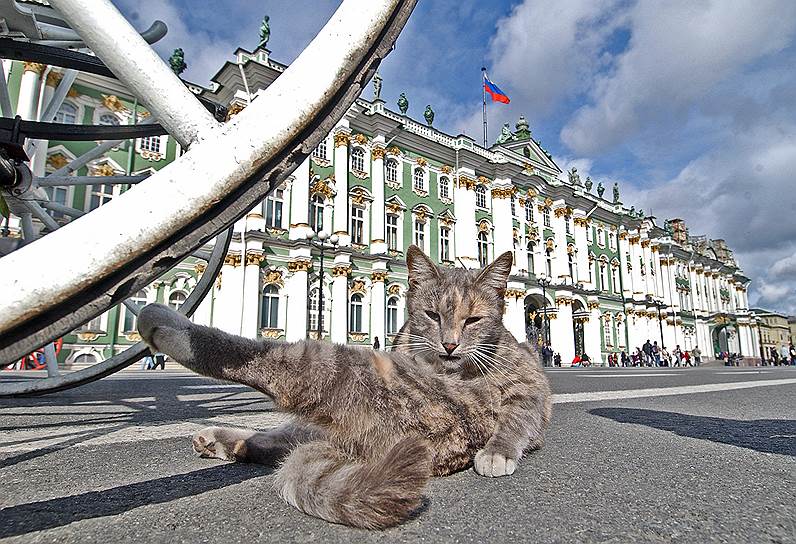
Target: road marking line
(664, 391)
(625, 375)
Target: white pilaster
(378, 314)
(297, 286)
(466, 231)
(561, 330)
(591, 331)
(377, 243)
(560, 267)
(582, 248)
(251, 293)
(501, 216)
(299, 202)
(342, 138)
(338, 325)
(27, 103)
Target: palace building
(590, 272)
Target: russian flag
(493, 90)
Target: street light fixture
(544, 281)
(321, 236)
(657, 303)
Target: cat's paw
(166, 331)
(492, 465)
(207, 443)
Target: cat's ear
(497, 274)
(419, 266)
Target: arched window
(357, 224)
(420, 234)
(483, 249)
(355, 314)
(139, 301)
(549, 262)
(480, 196)
(603, 284)
(546, 216)
(530, 247)
(177, 299)
(392, 231)
(608, 331)
(591, 271)
(615, 278)
(108, 119)
(67, 114)
(419, 180)
(529, 211)
(86, 358)
(273, 209)
(392, 315)
(572, 263)
(391, 167)
(316, 212)
(269, 309)
(358, 159)
(320, 151)
(444, 187)
(313, 310)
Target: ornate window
(139, 301)
(546, 216)
(444, 187)
(100, 194)
(530, 247)
(629, 264)
(549, 264)
(590, 234)
(358, 159)
(95, 325)
(108, 119)
(273, 209)
(568, 224)
(391, 167)
(357, 224)
(355, 314)
(313, 309)
(59, 195)
(513, 206)
(603, 284)
(419, 180)
(444, 244)
(149, 143)
(573, 267)
(177, 299)
(67, 114)
(320, 151)
(615, 278)
(529, 211)
(420, 234)
(317, 205)
(600, 239)
(608, 331)
(483, 249)
(269, 308)
(392, 315)
(591, 271)
(612, 240)
(392, 231)
(480, 196)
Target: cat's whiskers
(496, 366)
(472, 356)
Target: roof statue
(523, 131)
(177, 61)
(574, 177)
(403, 103)
(589, 183)
(667, 227)
(616, 193)
(600, 189)
(265, 32)
(505, 135)
(376, 86)
(632, 211)
(429, 115)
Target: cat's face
(454, 313)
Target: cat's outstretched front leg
(245, 445)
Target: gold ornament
(378, 276)
(300, 265)
(341, 270)
(394, 289)
(253, 258)
(377, 153)
(112, 102)
(445, 169)
(33, 67)
(503, 192)
(361, 139)
(232, 260)
(421, 162)
(341, 139)
(57, 161)
(273, 277)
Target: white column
(378, 313)
(342, 138)
(27, 104)
(562, 336)
(591, 331)
(501, 216)
(297, 287)
(582, 247)
(338, 325)
(560, 268)
(522, 252)
(227, 313)
(203, 314)
(39, 161)
(300, 202)
(251, 293)
(514, 313)
(466, 231)
(377, 237)
(624, 250)
(651, 277)
(638, 285)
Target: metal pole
(320, 298)
(483, 91)
(660, 323)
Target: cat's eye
(471, 320)
(433, 315)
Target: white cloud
(677, 52)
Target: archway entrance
(579, 317)
(534, 320)
(722, 336)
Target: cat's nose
(449, 347)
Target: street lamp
(321, 236)
(657, 303)
(544, 281)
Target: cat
(369, 427)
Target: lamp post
(321, 236)
(544, 281)
(657, 303)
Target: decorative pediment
(446, 217)
(394, 205)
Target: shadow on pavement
(763, 435)
(39, 516)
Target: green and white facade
(382, 181)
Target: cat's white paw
(206, 443)
(493, 465)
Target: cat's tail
(319, 480)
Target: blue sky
(689, 105)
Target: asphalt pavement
(633, 455)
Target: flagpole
(483, 90)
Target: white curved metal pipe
(138, 220)
(136, 64)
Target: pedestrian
(656, 353)
(697, 353)
(625, 359)
(160, 361)
(376, 344)
(146, 363)
(557, 359)
(792, 354)
(647, 349)
(547, 355)
(585, 361)
(666, 356)
(784, 354)
(677, 354)
(686, 358)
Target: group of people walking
(786, 356)
(650, 354)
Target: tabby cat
(369, 428)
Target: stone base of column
(378, 247)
